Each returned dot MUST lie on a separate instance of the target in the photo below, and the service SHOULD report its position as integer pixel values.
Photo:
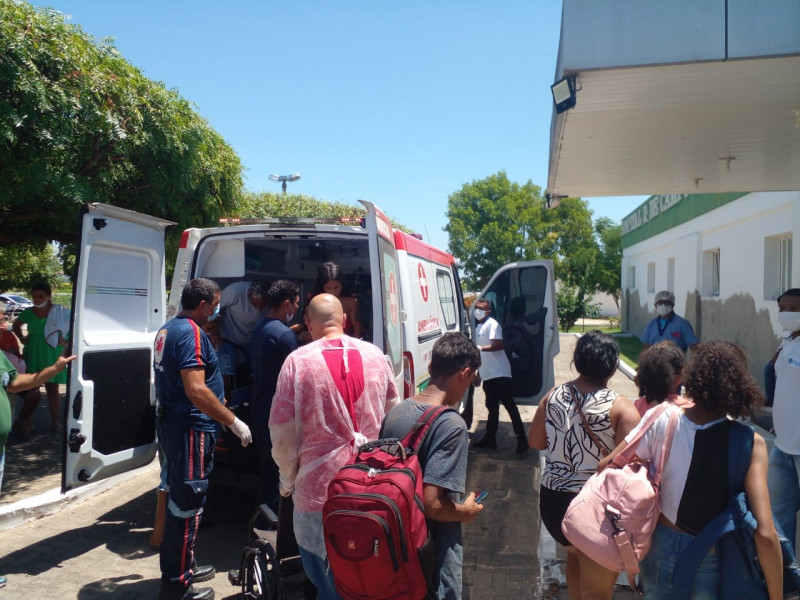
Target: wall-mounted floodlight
(564, 93)
(284, 178)
(552, 201)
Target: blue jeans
(783, 483)
(230, 356)
(320, 574)
(658, 565)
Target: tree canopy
(78, 123)
(494, 221)
(609, 259)
(25, 265)
(263, 205)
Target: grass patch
(63, 298)
(629, 350)
(604, 328)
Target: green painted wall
(660, 213)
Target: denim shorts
(659, 563)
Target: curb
(52, 501)
(622, 367)
(626, 370)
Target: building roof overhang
(703, 127)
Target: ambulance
(408, 292)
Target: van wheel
(466, 413)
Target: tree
(264, 205)
(80, 124)
(28, 264)
(492, 222)
(574, 303)
(569, 240)
(608, 266)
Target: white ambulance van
(408, 292)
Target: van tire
(466, 414)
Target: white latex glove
(242, 431)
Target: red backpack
(374, 520)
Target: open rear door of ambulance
(118, 305)
(523, 299)
(383, 268)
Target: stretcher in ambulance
(408, 295)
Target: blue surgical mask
(215, 314)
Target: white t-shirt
(238, 316)
(786, 408)
(673, 479)
(493, 364)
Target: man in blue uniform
(271, 343)
(668, 326)
(190, 391)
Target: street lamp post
(284, 178)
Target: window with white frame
(631, 278)
(711, 272)
(777, 265)
(651, 277)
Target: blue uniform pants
(190, 458)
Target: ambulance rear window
(446, 298)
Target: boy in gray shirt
(443, 456)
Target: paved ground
(99, 547)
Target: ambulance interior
(295, 256)
(292, 256)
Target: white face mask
(289, 315)
(480, 314)
(43, 304)
(663, 309)
(790, 321)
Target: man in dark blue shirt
(190, 392)
(271, 343)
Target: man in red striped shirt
(189, 390)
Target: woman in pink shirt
(658, 375)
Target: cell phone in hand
(481, 496)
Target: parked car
(13, 304)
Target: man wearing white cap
(668, 326)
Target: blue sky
(399, 103)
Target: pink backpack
(613, 517)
